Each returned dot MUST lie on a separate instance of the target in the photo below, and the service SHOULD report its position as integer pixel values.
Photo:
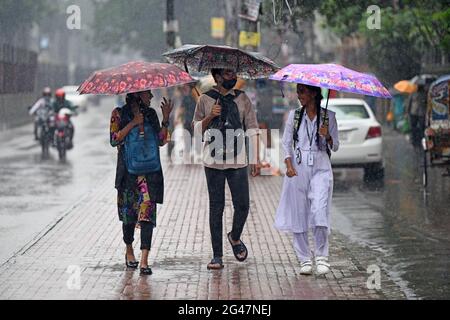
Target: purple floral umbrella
(332, 76)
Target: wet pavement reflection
(35, 190)
(407, 225)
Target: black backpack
(229, 119)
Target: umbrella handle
(187, 70)
(328, 97)
(218, 103)
(326, 106)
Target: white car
(360, 137)
(73, 96)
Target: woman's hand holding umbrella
(166, 107)
(323, 131)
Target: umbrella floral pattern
(134, 77)
(202, 58)
(333, 76)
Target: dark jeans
(417, 129)
(146, 234)
(238, 183)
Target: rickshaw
(436, 142)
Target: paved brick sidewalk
(88, 237)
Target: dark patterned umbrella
(134, 77)
(202, 58)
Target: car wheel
(374, 172)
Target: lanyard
(310, 138)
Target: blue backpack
(141, 151)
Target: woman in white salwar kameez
(305, 201)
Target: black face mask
(229, 84)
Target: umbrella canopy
(203, 58)
(134, 76)
(332, 76)
(405, 86)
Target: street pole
(232, 22)
(170, 28)
(170, 24)
(251, 27)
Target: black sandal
(131, 264)
(215, 261)
(238, 248)
(146, 271)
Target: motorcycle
(63, 132)
(45, 124)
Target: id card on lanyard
(310, 138)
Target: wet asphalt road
(407, 227)
(36, 191)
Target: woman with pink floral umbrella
(137, 133)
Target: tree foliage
(286, 14)
(409, 28)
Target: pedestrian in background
(184, 115)
(44, 102)
(305, 201)
(138, 195)
(416, 109)
(186, 110)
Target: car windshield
(349, 111)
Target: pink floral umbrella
(134, 77)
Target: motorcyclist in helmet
(44, 102)
(60, 103)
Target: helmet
(60, 93)
(47, 92)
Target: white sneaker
(322, 265)
(306, 267)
